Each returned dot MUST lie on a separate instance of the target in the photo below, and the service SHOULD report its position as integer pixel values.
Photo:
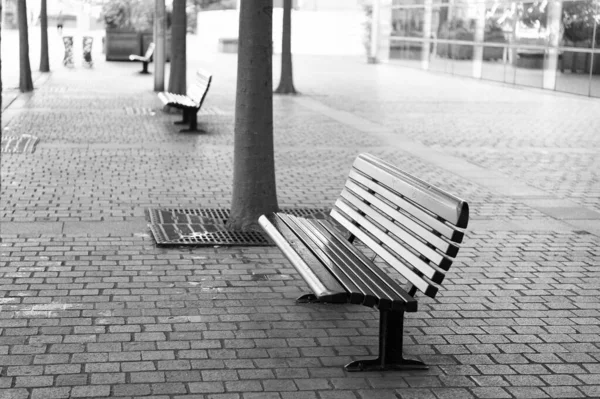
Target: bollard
(68, 60)
(87, 51)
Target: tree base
(286, 89)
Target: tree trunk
(254, 190)
(177, 83)
(25, 81)
(44, 61)
(286, 82)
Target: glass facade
(549, 44)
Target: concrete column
(427, 43)
(160, 27)
(381, 30)
(479, 37)
(551, 61)
(374, 45)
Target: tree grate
(19, 144)
(206, 227)
(212, 111)
(139, 111)
(217, 215)
(204, 235)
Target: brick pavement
(91, 308)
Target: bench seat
(414, 229)
(144, 59)
(191, 102)
(322, 248)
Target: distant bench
(190, 103)
(411, 225)
(144, 59)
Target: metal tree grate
(212, 111)
(217, 215)
(206, 227)
(139, 111)
(204, 235)
(19, 144)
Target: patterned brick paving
(108, 314)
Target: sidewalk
(90, 307)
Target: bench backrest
(413, 226)
(149, 51)
(198, 89)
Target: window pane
(595, 85)
(529, 66)
(494, 63)
(578, 18)
(408, 22)
(406, 52)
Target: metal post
(593, 55)
(553, 26)
(160, 42)
(427, 34)
(479, 39)
(373, 56)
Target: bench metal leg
(391, 330)
(144, 68)
(185, 119)
(193, 119)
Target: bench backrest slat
(407, 225)
(410, 224)
(437, 201)
(374, 209)
(197, 90)
(411, 210)
(149, 50)
(403, 253)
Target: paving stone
(51, 393)
(94, 391)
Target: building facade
(548, 44)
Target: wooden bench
(144, 59)
(412, 226)
(190, 103)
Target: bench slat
(416, 280)
(427, 219)
(405, 255)
(346, 266)
(381, 284)
(320, 281)
(380, 213)
(406, 221)
(356, 295)
(447, 206)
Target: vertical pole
(427, 34)
(551, 61)
(374, 47)
(479, 38)
(160, 49)
(2, 13)
(593, 57)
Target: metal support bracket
(307, 298)
(391, 326)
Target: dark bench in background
(190, 103)
(411, 225)
(144, 59)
